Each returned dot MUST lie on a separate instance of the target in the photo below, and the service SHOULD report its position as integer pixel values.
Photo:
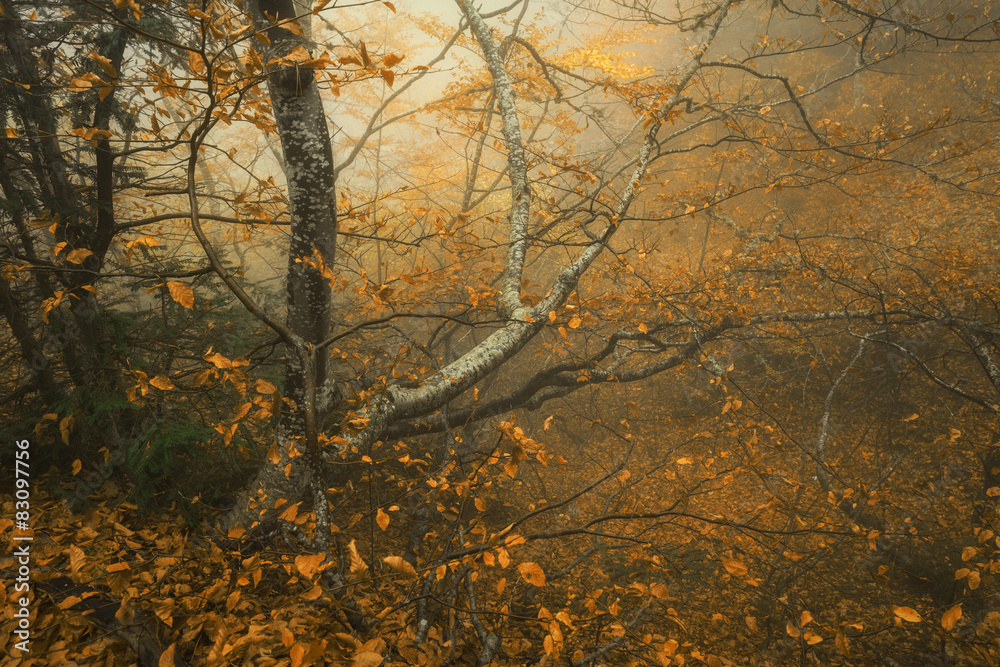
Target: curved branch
(509, 302)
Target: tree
(698, 264)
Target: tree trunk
(31, 349)
(309, 171)
(57, 193)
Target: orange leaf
(382, 519)
(907, 614)
(290, 513)
(734, 567)
(164, 610)
(181, 293)
(532, 573)
(77, 256)
(196, 62)
(82, 83)
(66, 427)
(104, 63)
(241, 411)
(367, 659)
(161, 382)
(298, 55)
(309, 565)
(401, 566)
(358, 565)
(167, 657)
(393, 59)
(145, 240)
(265, 387)
(218, 360)
(843, 644)
(951, 617)
(77, 558)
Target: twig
(590, 659)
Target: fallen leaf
(532, 573)
(951, 617)
(309, 565)
(734, 567)
(907, 614)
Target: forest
(500, 332)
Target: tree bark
(309, 172)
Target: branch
(490, 640)
(590, 659)
(509, 302)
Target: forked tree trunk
(309, 169)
